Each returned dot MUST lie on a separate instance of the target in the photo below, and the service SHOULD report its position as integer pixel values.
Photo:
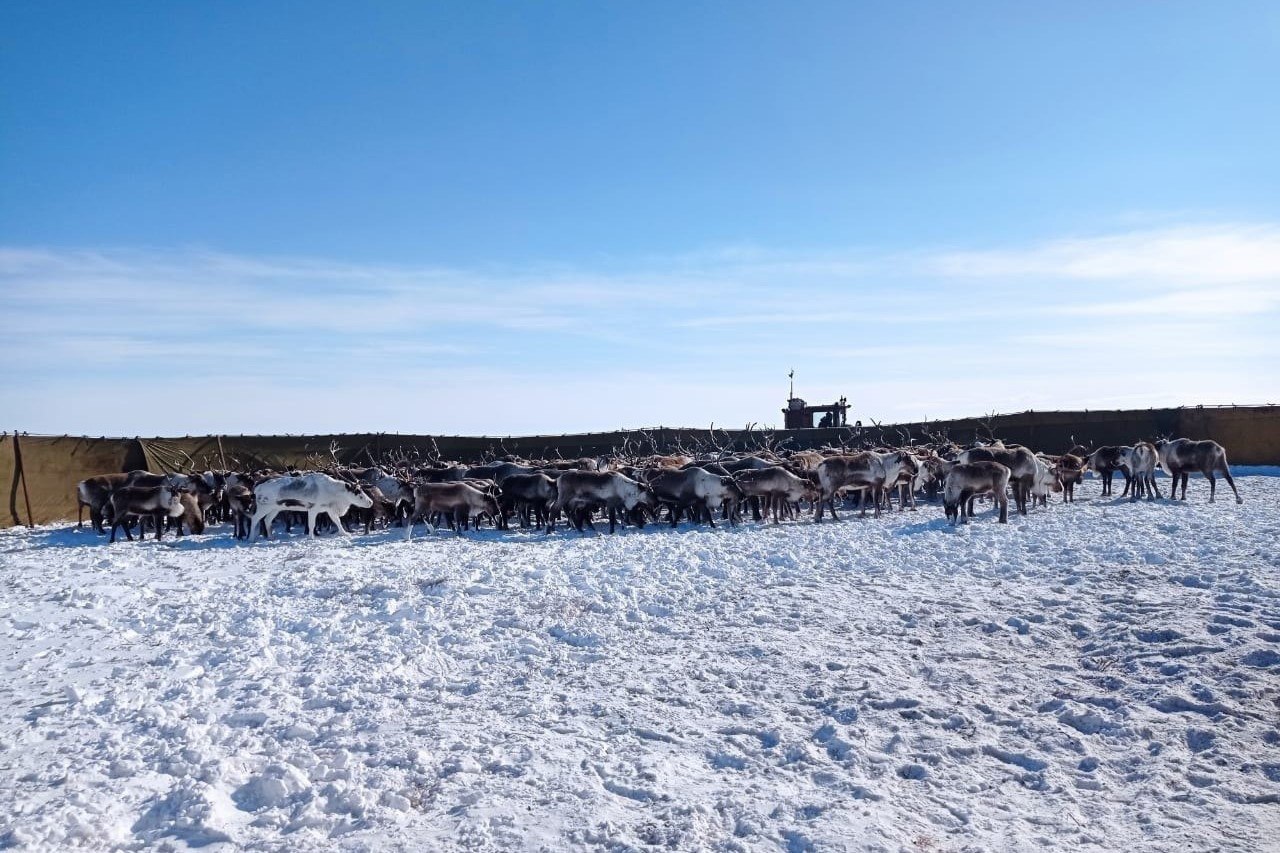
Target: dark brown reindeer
(1181, 456)
(159, 502)
(528, 495)
(1106, 461)
(1070, 469)
(967, 480)
(94, 493)
(457, 502)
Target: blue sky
(511, 217)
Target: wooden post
(22, 474)
(222, 457)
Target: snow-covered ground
(1094, 676)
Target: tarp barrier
(54, 464)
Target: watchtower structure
(799, 415)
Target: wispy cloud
(682, 339)
(1188, 255)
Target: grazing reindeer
(192, 515)
(1140, 461)
(967, 480)
(1181, 456)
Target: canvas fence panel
(53, 465)
(1250, 435)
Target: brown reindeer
(159, 502)
(966, 480)
(1181, 456)
(868, 471)
(94, 493)
(458, 502)
(1106, 461)
(777, 488)
(1070, 469)
(1020, 462)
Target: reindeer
(1140, 462)
(1046, 481)
(1181, 456)
(239, 498)
(528, 495)
(458, 502)
(867, 471)
(158, 502)
(192, 515)
(607, 489)
(698, 489)
(1020, 462)
(94, 493)
(314, 493)
(1070, 470)
(969, 479)
(776, 487)
(1106, 461)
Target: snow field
(1101, 675)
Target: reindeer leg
(342, 528)
(1226, 473)
(1004, 508)
(1213, 484)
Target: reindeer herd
(632, 488)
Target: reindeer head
(357, 496)
(734, 488)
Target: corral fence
(38, 473)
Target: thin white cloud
(676, 340)
(1189, 255)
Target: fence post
(22, 475)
